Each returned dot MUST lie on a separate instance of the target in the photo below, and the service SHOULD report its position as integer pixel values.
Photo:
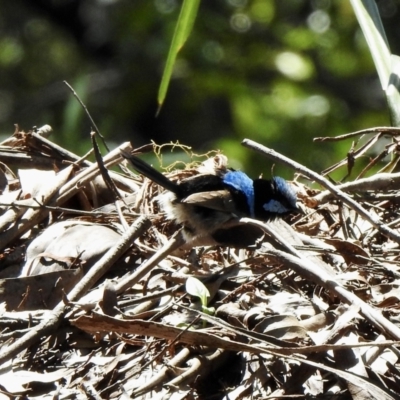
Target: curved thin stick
(373, 219)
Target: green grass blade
(183, 28)
(368, 17)
(387, 65)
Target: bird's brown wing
(219, 200)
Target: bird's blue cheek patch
(276, 207)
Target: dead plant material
(92, 285)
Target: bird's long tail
(150, 172)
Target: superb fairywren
(210, 204)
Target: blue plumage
(206, 205)
(242, 183)
(287, 200)
(286, 190)
(265, 198)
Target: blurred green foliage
(277, 72)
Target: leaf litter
(93, 299)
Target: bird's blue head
(273, 198)
(283, 199)
(264, 198)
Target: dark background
(277, 72)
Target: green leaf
(368, 17)
(183, 28)
(387, 65)
(196, 288)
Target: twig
(103, 170)
(162, 375)
(88, 114)
(15, 221)
(60, 192)
(137, 229)
(104, 323)
(383, 129)
(158, 378)
(19, 159)
(39, 205)
(374, 220)
(54, 319)
(313, 272)
(322, 277)
(36, 141)
(352, 155)
(84, 177)
(175, 242)
(384, 181)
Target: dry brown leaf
(350, 251)
(43, 291)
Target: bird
(210, 204)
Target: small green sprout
(196, 288)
